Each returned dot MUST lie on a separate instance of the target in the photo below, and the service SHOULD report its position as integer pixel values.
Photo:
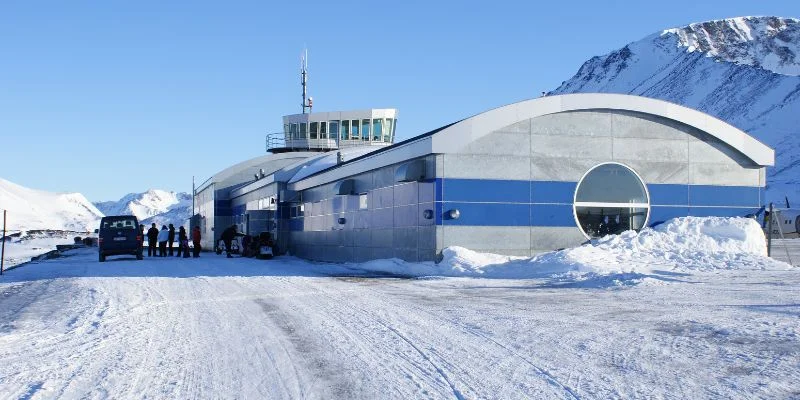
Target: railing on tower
(277, 143)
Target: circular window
(610, 199)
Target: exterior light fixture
(452, 214)
(341, 220)
(428, 214)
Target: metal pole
(769, 231)
(3, 250)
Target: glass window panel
(313, 129)
(601, 221)
(303, 130)
(346, 129)
(377, 129)
(287, 128)
(354, 133)
(389, 125)
(365, 123)
(611, 183)
(334, 129)
(323, 130)
(295, 133)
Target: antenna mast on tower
(307, 103)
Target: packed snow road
(242, 328)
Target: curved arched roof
(459, 134)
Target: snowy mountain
(745, 71)
(30, 209)
(159, 206)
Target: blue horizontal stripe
(486, 190)
(488, 214)
(552, 215)
(552, 192)
(668, 194)
(721, 211)
(661, 214)
(731, 196)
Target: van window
(118, 223)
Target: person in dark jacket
(227, 237)
(183, 243)
(152, 239)
(171, 238)
(196, 241)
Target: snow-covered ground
(580, 323)
(21, 249)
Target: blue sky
(108, 98)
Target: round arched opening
(610, 198)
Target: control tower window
(346, 129)
(303, 130)
(334, 129)
(314, 129)
(295, 134)
(323, 130)
(365, 129)
(355, 135)
(389, 125)
(377, 129)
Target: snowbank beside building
(679, 246)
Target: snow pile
(683, 245)
(679, 246)
(30, 209)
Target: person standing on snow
(163, 236)
(227, 237)
(183, 243)
(171, 238)
(196, 241)
(152, 238)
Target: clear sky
(111, 97)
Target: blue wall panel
(552, 192)
(661, 214)
(721, 211)
(552, 215)
(668, 194)
(486, 190)
(488, 214)
(730, 196)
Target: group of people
(165, 238)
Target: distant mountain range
(30, 209)
(153, 206)
(741, 70)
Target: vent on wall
(411, 171)
(344, 187)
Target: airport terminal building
(525, 178)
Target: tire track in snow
(550, 378)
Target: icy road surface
(288, 329)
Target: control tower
(325, 131)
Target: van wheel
(102, 258)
